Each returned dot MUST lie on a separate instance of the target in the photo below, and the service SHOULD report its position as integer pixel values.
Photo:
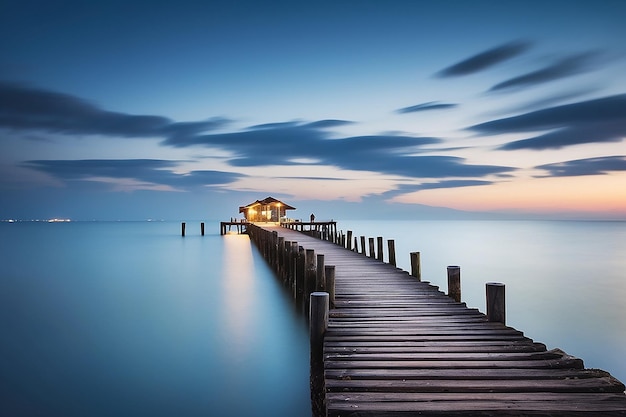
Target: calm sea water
(130, 319)
(565, 280)
(127, 319)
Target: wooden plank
(439, 346)
(433, 404)
(595, 385)
(573, 363)
(479, 373)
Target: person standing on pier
(312, 217)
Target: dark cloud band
(486, 59)
(593, 121)
(432, 105)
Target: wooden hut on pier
(266, 210)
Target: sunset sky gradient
(409, 109)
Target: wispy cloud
(486, 59)
(431, 105)
(592, 121)
(272, 144)
(27, 108)
(452, 184)
(284, 143)
(565, 67)
(552, 100)
(154, 171)
(589, 166)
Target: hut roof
(265, 202)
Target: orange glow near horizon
(602, 195)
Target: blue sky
(188, 109)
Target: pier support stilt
(320, 275)
(318, 323)
(329, 286)
(454, 283)
(496, 306)
(391, 247)
(416, 267)
(379, 254)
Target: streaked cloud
(431, 105)
(592, 121)
(486, 59)
(588, 166)
(565, 67)
(552, 100)
(153, 171)
(284, 143)
(27, 108)
(270, 144)
(452, 184)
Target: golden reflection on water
(238, 289)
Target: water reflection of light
(238, 284)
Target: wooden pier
(240, 226)
(393, 345)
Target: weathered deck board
(399, 347)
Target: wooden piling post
(380, 248)
(349, 240)
(371, 244)
(293, 262)
(320, 280)
(300, 272)
(496, 306)
(363, 245)
(416, 267)
(309, 276)
(202, 228)
(280, 256)
(454, 282)
(391, 246)
(318, 324)
(182, 229)
(329, 285)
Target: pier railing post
(454, 283)
(329, 285)
(363, 245)
(320, 277)
(416, 267)
(202, 228)
(391, 246)
(280, 257)
(496, 305)
(300, 273)
(349, 240)
(274, 250)
(318, 324)
(309, 276)
(371, 245)
(182, 229)
(293, 263)
(380, 248)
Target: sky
(131, 110)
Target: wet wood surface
(396, 346)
